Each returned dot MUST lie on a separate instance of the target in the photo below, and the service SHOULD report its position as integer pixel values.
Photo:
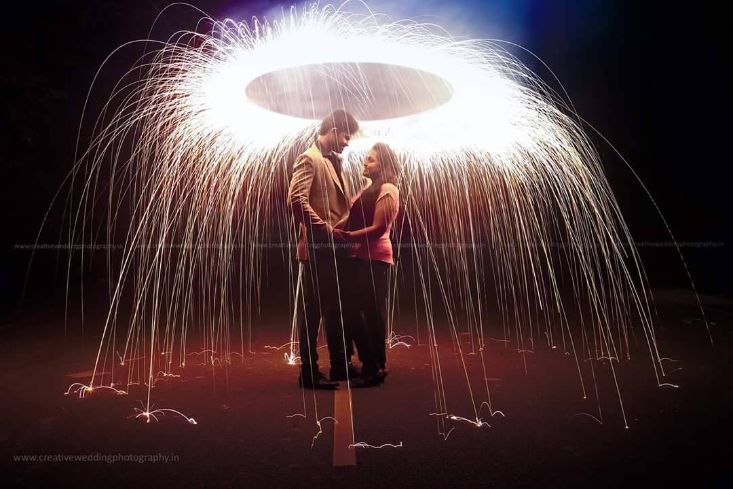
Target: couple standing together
(345, 254)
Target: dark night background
(647, 76)
(650, 76)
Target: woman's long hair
(362, 212)
(388, 163)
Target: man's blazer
(319, 201)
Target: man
(319, 198)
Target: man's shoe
(316, 381)
(363, 381)
(381, 375)
(340, 373)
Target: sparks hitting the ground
(505, 199)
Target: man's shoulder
(312, 154)
(310, 157)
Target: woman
(370, 221)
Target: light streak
(478, 422)
(590, 416)
(362, 444)
(602, 357)
(667, 359)
(289, 344)
(492, 411)
(148, 415)
(164, 375)
(320, 428)
(395, 340)
(446, 435)
(500, 184)
(202, 352)
(291, 358)
(84, 390)
(122, 360)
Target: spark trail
(505, 202)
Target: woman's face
(372, 167)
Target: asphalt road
(256, 428)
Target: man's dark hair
(341, 120)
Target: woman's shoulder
(389, 188)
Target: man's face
(342, 140)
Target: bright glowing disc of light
(370, 91)
(501, 188)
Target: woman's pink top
(379, 249)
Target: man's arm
(298, 197)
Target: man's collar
(329, 154)
(320, 148)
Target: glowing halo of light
(488, 109)
(500, 186)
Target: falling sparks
(291, 358)
(478, 422)
(148, 415)
(505, 202)
(320, 428)
(84, 390)
(397, 340)
(362, 444)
